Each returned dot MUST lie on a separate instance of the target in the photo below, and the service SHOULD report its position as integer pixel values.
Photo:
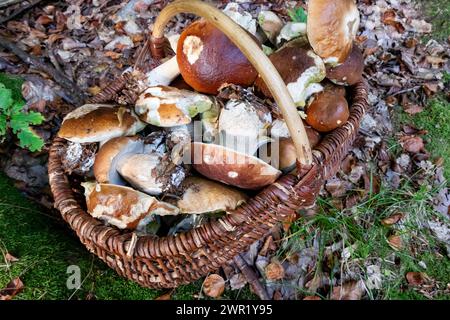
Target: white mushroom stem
(164, 74)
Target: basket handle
(254, 54)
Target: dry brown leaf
(14, 287)
(94, 90)
(389, 221)
(431, 88)
(312, 298)
(395, 242)
(44, 20)
(10, 258)
(268, 246)
(411, 43)
(214, 286)
(113, 55)
(416, 278)
(390, 18)
(412, 144)
(274, 271)
(165, 296)
(352, 290)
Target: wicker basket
(168, 262)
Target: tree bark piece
(251, 277)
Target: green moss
(46, 248)
(438, 13)
(13, 83)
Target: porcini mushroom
(151, 172)
(243, 125)
(331, 28)
(290, 31)
(301, 70)
(208, 59)
(205, 196)
(350, 72)
(231, 167)
(99, 122)
(168, 107)
(124, 207)
(271, 24)
(105, 165)
(241, 17)
(327, 111)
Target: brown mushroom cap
(231, 167)
(123, 207)
(105, 165)
(337, 89)
(286, 157)
(350, 72)
(99, 122)
(205, 196)
(290, 62)
(332, 27)
(327, 111)
(208, 59)
(299, 67)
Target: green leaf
(17, 107)
(3, 123)
(28, 139)
(21, 121)
(6, 99)
(298, 15)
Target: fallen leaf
(312, 298)
(395, 242)
(14, 287)
(214, 285)
(431, 88)
(10, 258)
(274, 271)
(238, 281)
(411, 43)
(165, 296)
(412, 144)
(416, 278)
(268, 245)
(389, 18)
(374, 277)
(44, 20)
(352, 290)
(389, 221)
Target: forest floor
(390, 244)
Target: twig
(19, 11)
(251, 277)
(406, 90)
(6, 3)
(73, 92)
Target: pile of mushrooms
(185, 149)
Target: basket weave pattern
(168, 262)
